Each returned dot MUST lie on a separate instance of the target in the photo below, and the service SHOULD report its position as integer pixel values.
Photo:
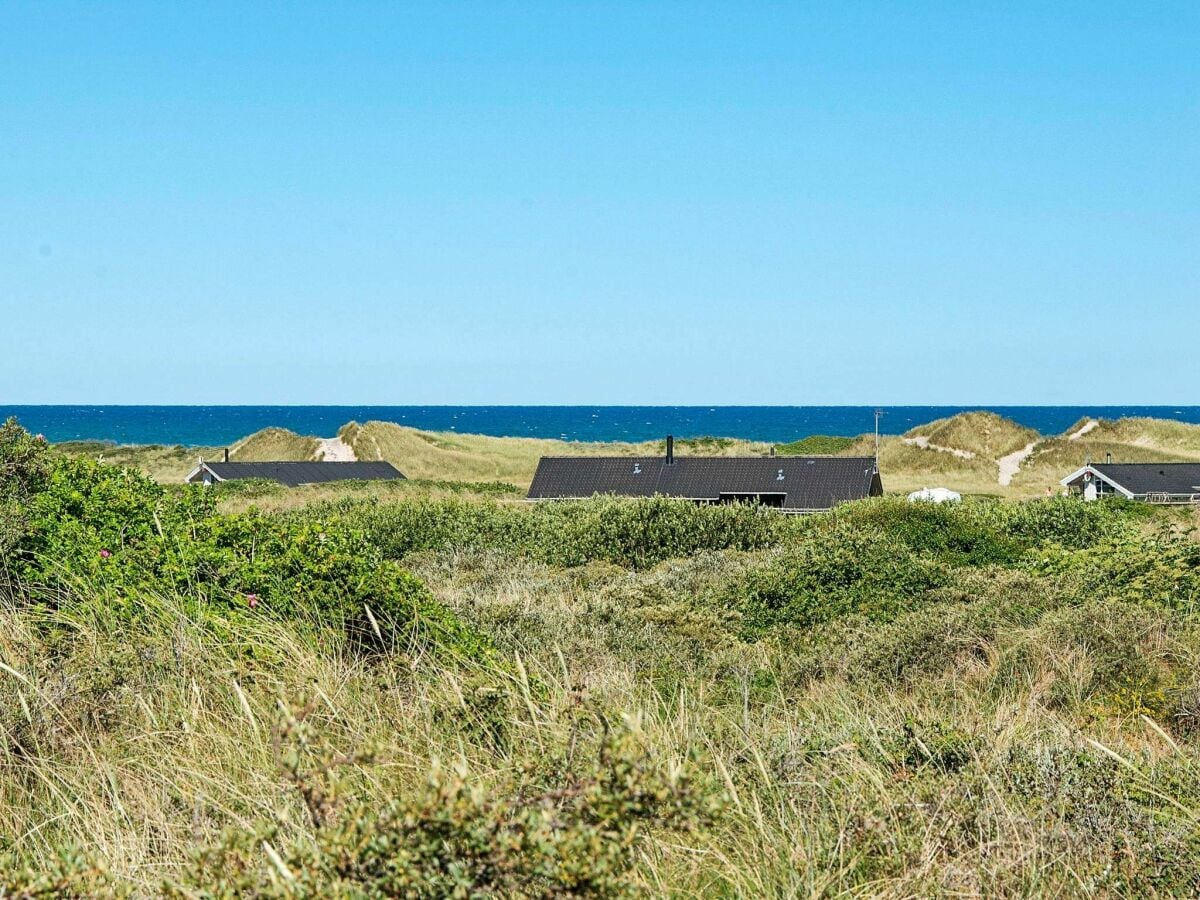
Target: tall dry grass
(1012, 739)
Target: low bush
(633, 533)
(24, 469)
(117, 533)
(834, 572)
(988, 532)
(966, 534)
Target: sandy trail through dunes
(334, 449)
(1076, 435)
(923, 442)
(1010, 465)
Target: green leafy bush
(835, 572)
(967, 534)
(24, 468)
(984, 532)
(635, 533)
(112, 529)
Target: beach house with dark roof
(793, 484)
(1170, 482)
(293, 474)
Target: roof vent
(670, 450)
(779, 477)
(637, 468)
(226, 454)
(1108, 457)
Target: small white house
(1173, 482)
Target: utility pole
(878, 415)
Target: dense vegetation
(450, 696)
(817, 445)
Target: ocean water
(217, 425)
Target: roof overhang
(1095, 473)
(203, 467)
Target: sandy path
(923, 442)
(1010, 465)
(1076, 435)
(334, 449)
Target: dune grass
(440, 463)
(171, 464)
(818, 445)
(610, 698)
(1009, 730)
(983, 434)
(272, 444)
(1179, 439)
(449, 456)
(163, 463)
(269, 496)
(906, 468)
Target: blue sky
(697, 203)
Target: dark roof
(294, 473)
(808, 482)
(1153, 478)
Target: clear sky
(692, 203)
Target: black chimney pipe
(226, 454)
(670, 450)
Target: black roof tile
(807, 482)
(1153, 478)
(296, 473)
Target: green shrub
(1069, 522)
(932, 742)
(1160, 569)
(248, 488)
(966, 534)
(116, 532)
(987, 532)
(24, 468)
(960, 619)
(834, 572)
(71, 875)
(634, 533)
(817, 445)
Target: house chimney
(670, 450)
(1108, 457)
(226, 454)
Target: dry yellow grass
(274, 444)
(984, 434)
(476, 457)
(1126, 440)
(171, 464)
(166, 464)
(1179, 439)
(450, 457)
(277, 498)
(906, 468)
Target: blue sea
(217, 425)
